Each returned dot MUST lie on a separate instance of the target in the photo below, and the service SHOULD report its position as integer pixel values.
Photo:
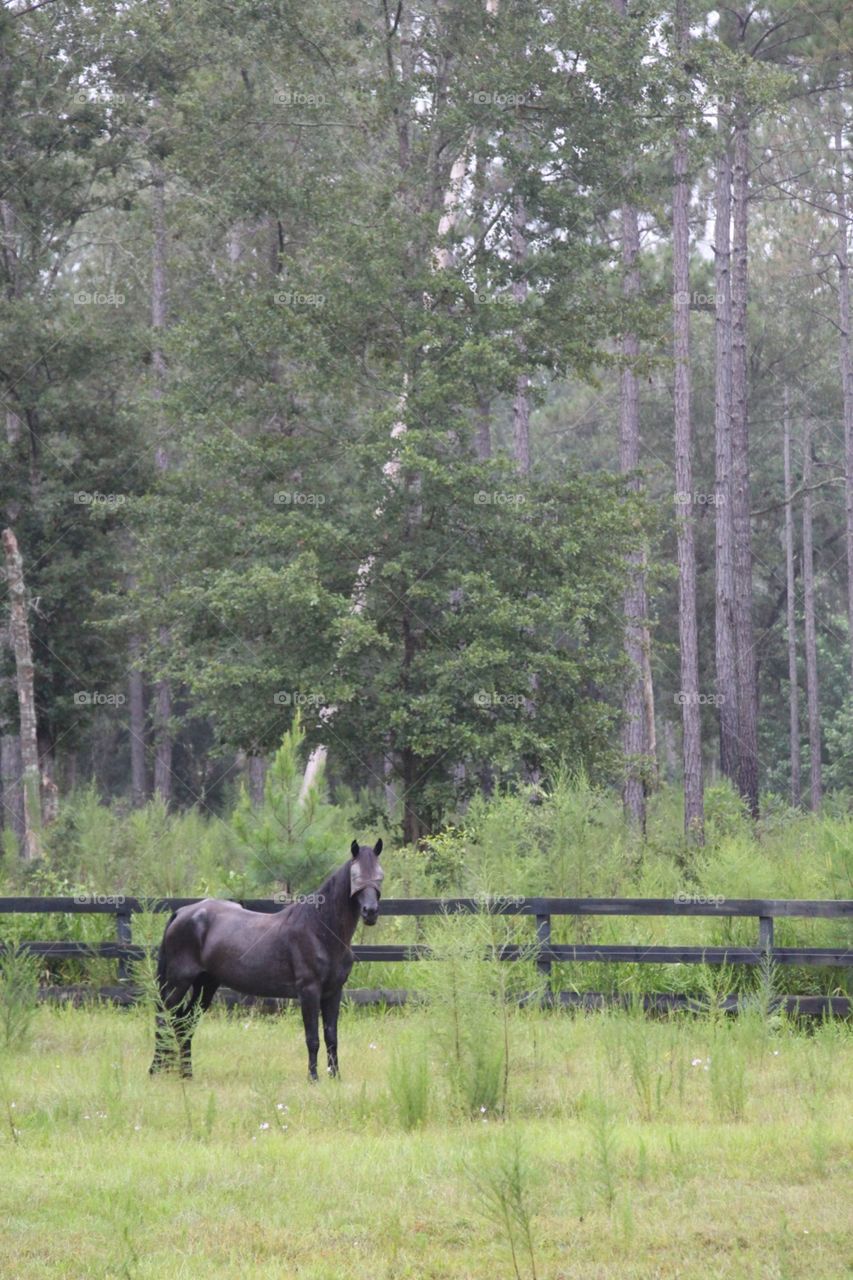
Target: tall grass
(458, 985)
(408, 1080)
(19, 981)
(503, 1181)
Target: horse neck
(338, 911)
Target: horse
(301, 952)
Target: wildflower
(697, 1062)
(371, 1046)
(265, 1125)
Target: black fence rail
(545, 952)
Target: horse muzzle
(370, 914)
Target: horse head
(366, 876)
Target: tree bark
(747, 687)
(12, 782)
(19, 633)
(136, 713)
(687, 628)
(844, 355)
(816, 788)
(163, 742)
(793, 686)
(724, 621)
(649, 703)
(47, 774)
(257, 771)
(521, 403)
(634, 744)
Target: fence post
(765, 933)
(543, 963)
(124, 936)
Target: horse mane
(331, 888)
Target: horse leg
(173, 997)
(203, 991)
(330, 1005)
(310, 1001)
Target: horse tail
(161, 954)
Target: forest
(465, 386)
(427, 432)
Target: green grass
(628, 1158)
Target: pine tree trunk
(521, 404)
(810, 629)
(845, 358)
(136, 715)
(649, 704)
(47, 772)
(13, 789)
(790, 578)
(483, 411)
(163, 742)
(687, 628)
(724, 589)
(19, 634)
(257, 771)
(634, 744)
(747, 688)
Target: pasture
(616, 1146)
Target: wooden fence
(765, 911)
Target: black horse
(302, 951)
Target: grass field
(628, 1148)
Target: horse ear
(377, 848)
(354, 848)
